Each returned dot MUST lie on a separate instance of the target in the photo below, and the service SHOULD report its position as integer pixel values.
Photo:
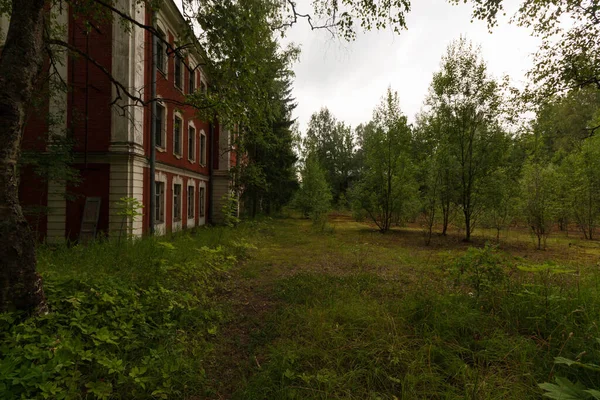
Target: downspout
(87, 99)
(211, 184)
(153, 129)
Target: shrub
(125, 322)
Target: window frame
(159, 217)
(161, 49)
(201, 201)
(191, 202)
(202, 158)
(162, 126)
(178, 62)
(192, 80)
(193, 146)
(177, 117)
(177, 204)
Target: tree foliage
(332, 142)
(466, 102)
(386, 190)
(314, 197)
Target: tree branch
(122, 89)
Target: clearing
(351, 313)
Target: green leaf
(564, 390)
(102, 390)
(595, 393)
(566, 361)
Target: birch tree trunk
(21, 62)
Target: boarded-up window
(89, 220)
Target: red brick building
(112, 143)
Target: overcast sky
(350, 78)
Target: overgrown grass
(344, 313)
(127, 320)
(371, 316)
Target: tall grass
(480, 324)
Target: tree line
(468, 159)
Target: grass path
(354, 314)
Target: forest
(453, 257)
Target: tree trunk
(21, 63)
(467, 226)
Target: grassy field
(276, 309)
(353, 314)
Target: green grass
(360, 315)
(278, 310)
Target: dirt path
(248, 302)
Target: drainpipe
(87, 99)
(211, 184)
(153, 129)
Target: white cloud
(350, 78)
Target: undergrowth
(347, 314)
(127, 320)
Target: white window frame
(191, 126)
(191, 220)
(163, 135)
(202, 138)
(176, 224)
(201, 202)
(176, 115)
(165, 70)
(159, 227)
(182, 69)
(194, 76)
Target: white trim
(192, 71)
(201, 216)
(176, 225)
(163, 29)
(202, 156)
(164, 123)
(193, 126)
(177, 114)
(190, 222)
(161, 228)
(179, 56)
(180, 171)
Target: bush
(127, 321)
(481, 269)
(314, 197)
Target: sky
(350, 78)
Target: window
(159, 120)
(177, 136)
(161, 52)
(178, 71)
(192, 81)
(201, 201)
(202, 149)
(159, 202)
(176, 202)
(191, 143)
(203, 87)
(190, 202)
